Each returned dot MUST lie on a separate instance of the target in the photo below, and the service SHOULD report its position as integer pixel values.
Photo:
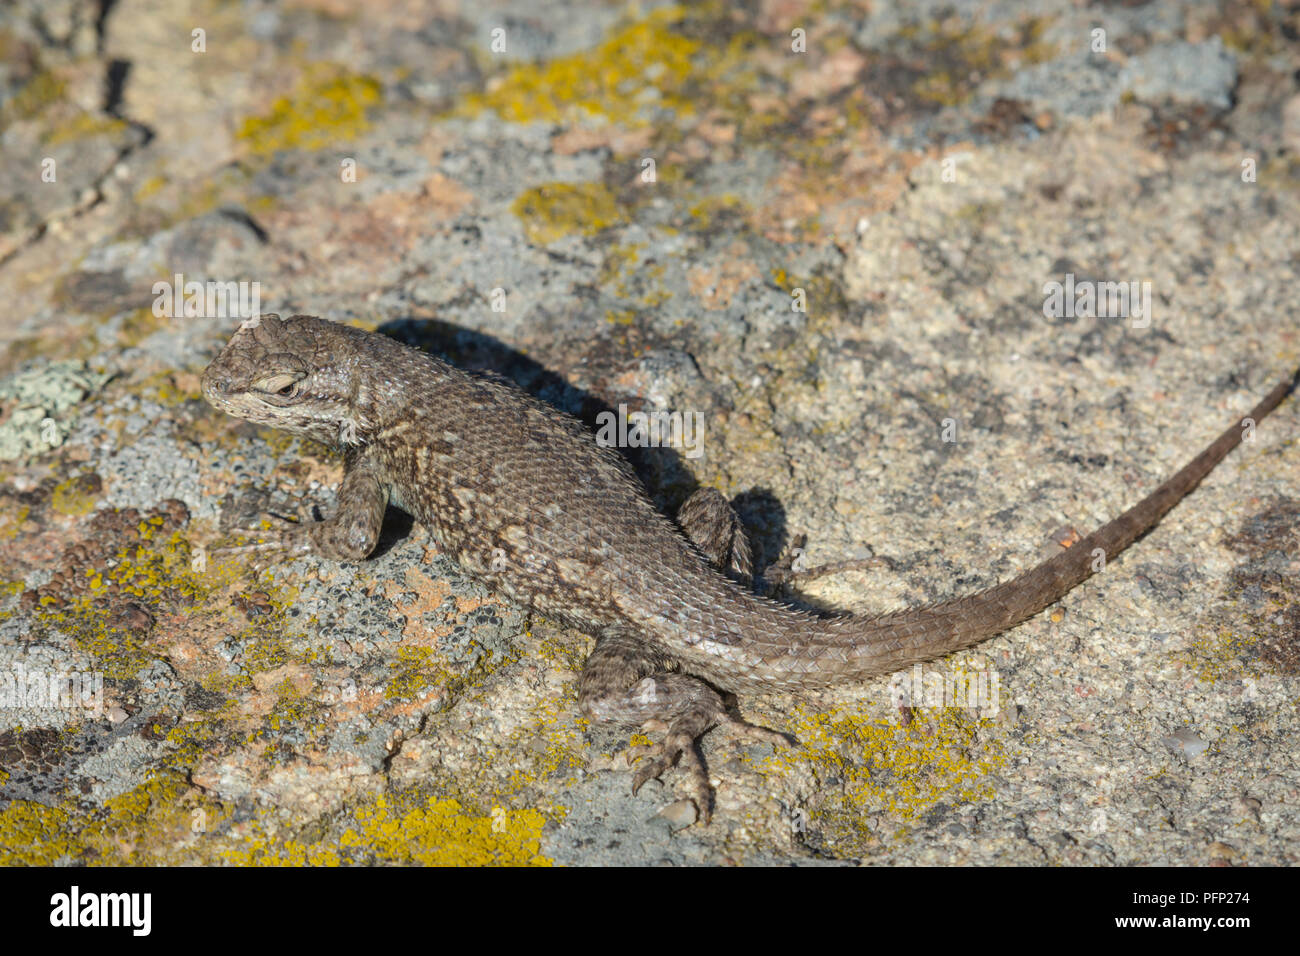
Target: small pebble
(1186, 742)
(679, 814)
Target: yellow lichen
(418, 671)
(975, 53)
(440, 833)
(623, 275)
(708, 211)
(161, 387)
(1220, 654)
(328, 106)
(273, 850)
(278, 442)
(38, 94)
(555, 210)
(155, 572)
(189, 741)
(264, 650)
(83, 126)
(76, 496)
(32, 834)
(645, 65)
(620, 258)
(550, 746)
(296, 711)
(401, 829)
(140, 323)
(150, 187)
(12, 519)
(886, 766)
(162, 820)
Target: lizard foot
(679, 746)
(289, 535)
(349, 535)
(629, 681)
(791, 568)
(657, 758)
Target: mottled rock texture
(831, 230)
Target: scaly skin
(522, 496)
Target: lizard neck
(394, 386)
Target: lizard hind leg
(712, 525)
(628, 681)
(715, 529)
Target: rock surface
(831, 230)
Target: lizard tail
(883, 644)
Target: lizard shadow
(397, 527)
(661, 469)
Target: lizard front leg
(351, 533)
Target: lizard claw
(286, 534)
(678, 747)
(661, 756)
(755, 734)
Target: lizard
(526, 499)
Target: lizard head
(291, 374)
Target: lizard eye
(283, 385)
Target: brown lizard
(524, 497)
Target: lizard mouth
(213, 385)
(220, 389)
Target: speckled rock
(830, 232)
